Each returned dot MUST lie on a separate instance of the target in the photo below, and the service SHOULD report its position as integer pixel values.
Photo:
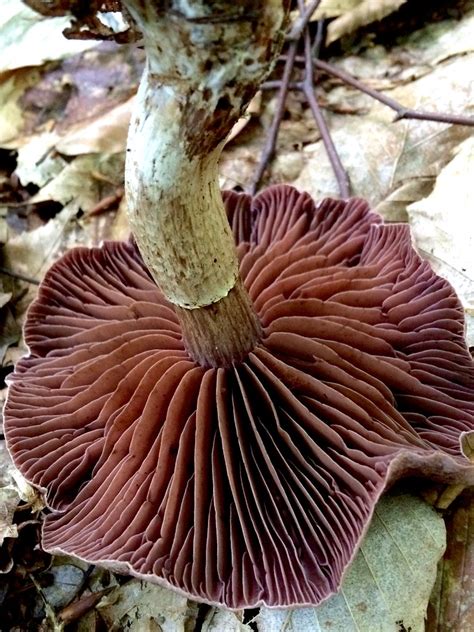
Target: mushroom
(255, 482)
(223, 420)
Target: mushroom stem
(205, 60)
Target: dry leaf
(106, 134)
(393, 208)
(389, 581)
(140, 606)
(328, 9)
(4, 298)
(66, 577)
(452, 601)
(449, 38)
(12, 88)
(37, 163)
(365, 12)
(84, 181)
(224, 621)
(13, 490)
(33, 253)
(442, 225)
(253, 109)
(29, 39)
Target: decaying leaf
(84, 181)
(31, 253)
(105, 134)
(13, 490)
(329, 8)
(66, 576)
(224, 621)
(442, 228)
(29, 39)
(12, 87)
(37, 162)
(389, 581)
(363, 13)
(452, 602)
(141, 606)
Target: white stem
(175, 206)
(205, 60)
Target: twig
(272, 135)
(310, 60)
(275, 84)
(318, 39)
(107, 203)
(19, 276)
(308, 89)
(402, 112)
(302, 22)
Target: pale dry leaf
(218, 620)
(364, 13)
(389, 581)
(383, 69)
(328, 9)
(120, 227)
(13, 490)
(287, 166)
(382, 156)
(105, 134)
(139, 603)
(32, 253)
(368, 149)
(12, 88)
(447, 39)
(82, 185)
(443, 227)
(4, 298)
(83, 181)
(37, 162)
(237, 165)
(394, 206)
(30, 39)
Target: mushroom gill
(251, 484)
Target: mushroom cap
(252, 484)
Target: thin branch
(272, 136)
(311, 60)
(402, 112)
(302, 22)
(318, 39)
(308, 89)
(19, 276)
(276, 85)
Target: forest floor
(64, 112)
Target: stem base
(221, 334)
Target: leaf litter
(70, 151)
